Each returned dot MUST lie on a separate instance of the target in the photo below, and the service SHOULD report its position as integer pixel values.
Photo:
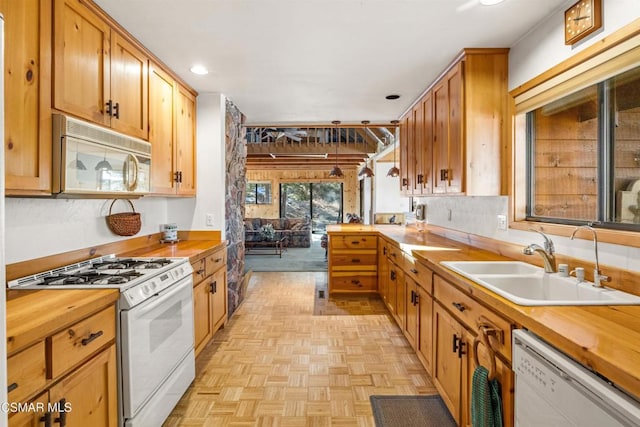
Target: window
(258, 193)
(583, 156)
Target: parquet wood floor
(276, 363)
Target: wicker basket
(125, 223)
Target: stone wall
(236, 160)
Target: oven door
(156, 336)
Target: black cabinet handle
(420, 178)
(355, 260)
(405, 182)
(62, 419)
(218, 259)
(414, 271)
(12, 387)
(384, 250)
(355, 242)
(393, 275)
(46, 419)
(91, 337)
(116, 110)
(412, 297)
(213, 287)
(109, 105)
(201, 271)
(461, 351)
(357, 283)
(459, 306)
(176, 176)
(416, 299)
(455, 343)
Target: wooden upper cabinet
(406, 135)
(162, 91)
(186, 142)
(172, 131)
(27, 96)
(98, 75)
(129, 83)
(461, 123)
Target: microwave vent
(96, 134)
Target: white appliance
(91, 160)
(552, 390)
(155, 338)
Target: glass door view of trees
(322, 202)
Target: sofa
(296, 230)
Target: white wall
(387, 197)
(539, 50)
(41, 227)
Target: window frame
(617, 53)
(256, 184)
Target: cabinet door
(392, 285)
(504, 375)
(405, 135)
(129, 84)
(32, 419)
(440, 136)
(416, 178)
(425, 148)
(219, 298)
(425, 332)
(401, 291)
(455, 176)
(383, 270)
(186, 142)
(202, 315)
(90, 393)
(411, 312)
(27, 96)
(81, 62)
(161, 130)
(447, 363)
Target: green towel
(486, 404)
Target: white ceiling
(313, 61)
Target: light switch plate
(502, 222)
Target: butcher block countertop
(193, 249)
(34, 315)
(604, 338)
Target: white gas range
(155, 323)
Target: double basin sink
(529, 285)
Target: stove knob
(145, 289)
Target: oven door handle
(153, 301)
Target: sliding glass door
(322, 202)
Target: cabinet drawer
(472, 313)
(215, 261)
(26, 372)
(349, 282)
(355, 241)
(199, 270)
(418, 272)
(394, 253)
(76, 343)
(357, 260)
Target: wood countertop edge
(33, 316)
(584, 344)
(192, 249)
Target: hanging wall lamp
(366, 170)
(336, 172)
(394, 171)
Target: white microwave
(92, 161)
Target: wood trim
(606, 43)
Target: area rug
(410, 411)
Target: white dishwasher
(553, 390)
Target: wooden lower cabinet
(425, 329)
(449, 357)
(412, 301)
(209, 296)
(353, 263)
(383, 270)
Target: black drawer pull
(420, 178)
(12, 387)
(213, 287)
(461, 349)
(218, 259)
(455, 343)
(91, 337)
(116, 110)
(355, 260)
(355, 242)
(356, 282)
(393, 275)
(62, 419)
(201, 271)
(46, 419)
(459, 306)
(109, 105)
(414, 271)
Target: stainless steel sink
(526, 284)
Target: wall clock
(582, 19)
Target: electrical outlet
(208, 220)
(502, 222)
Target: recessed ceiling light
(392, 97)
(490, 2)
(200, 70)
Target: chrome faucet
(598, 277)
(547, 252)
